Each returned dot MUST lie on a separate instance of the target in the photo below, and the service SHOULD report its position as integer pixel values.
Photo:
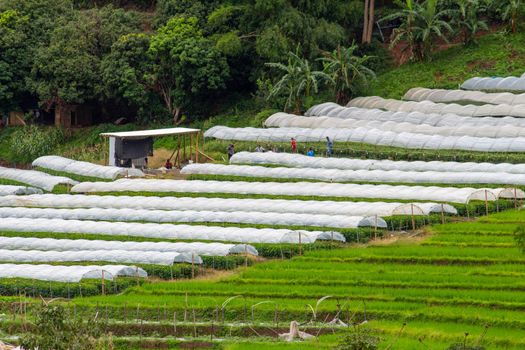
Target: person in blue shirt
(310, 152)
(329, 147)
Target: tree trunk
(365, 21)
(175, 112)
(370, 26)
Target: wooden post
(192, 265)
(442, 214)
(515, 199)
(375, 228)
(412, 215)
(178, 152)
(197, 147)
(245, 256)
(184, 146)
(300, 244)
(486, 204)
(174, 323)
(103, 284)
(194, 324)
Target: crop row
(240, 309)
(367, 151)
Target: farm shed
(130, 147)
(69, 115)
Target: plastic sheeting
(514, 84)
(330, 109)
(302, 161)
(285, 219)
(6, 190)
(487, 110)
(68, 273)
(318, 189)
(34, 178)
(114, 256)
(464, 97)
(71, 166)
(168, 231)
(199, 248)
(337, 175)
(224, 204)
(371, 136)
(290, 120)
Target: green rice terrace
(237, 175)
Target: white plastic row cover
(338, 175)
(68, 273)
(196, 248)
(304, 189)
(370, 136)
(330, 109)
(285, 120)
(486, 110)
(167, 231)
(462, 96)
(6, 190)
(84, 168)
(512, 84)
(35, 178)
(186, 216)
(263, 205)
(113, 256)
(302, 161)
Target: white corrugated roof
(149, 133)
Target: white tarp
(487, 110)
(195, 248)
(333, 110)
(263, 205)
(512, 84)
(285, 120)
(167, 231)
(6, 190)
(68, 273)
(462, 96)
(191, 216)
(305, 189)
(302, 161)
(35, 178)
(72, 166)
(338, 175)
(370, 136)
(113, 256)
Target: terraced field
(461, 277)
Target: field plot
(472, 267)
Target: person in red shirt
(294, 146)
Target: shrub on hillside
(31, 142)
